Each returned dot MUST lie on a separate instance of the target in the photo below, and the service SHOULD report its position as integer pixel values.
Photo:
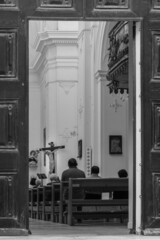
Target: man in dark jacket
(73, 172)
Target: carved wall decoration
(156, 125)
(8, 118)
(8, 3)
(111, 3)
(118, 58)
(8, 54)
(6, 193)
(156, 194)
(56, 3)
(67, 134)
(156, 3)
(156, 55)
(80, 110)
(67, 86)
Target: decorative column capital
(100, 76)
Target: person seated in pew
(35, 182)
(94, 174)
(119, 194)
(32, 182)
(73, 172)
(53, 179)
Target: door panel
(7, 57)
(53, 9)
(6, 4)
(7, 187)
(156, 4)
(113, 9)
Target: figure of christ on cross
(49, 151)
(51, 161)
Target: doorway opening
(82, 94)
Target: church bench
(33, 202)
(43, 202)
(30, 202)
(50, 206)
(39, 202)
(62, 203)
(83, 209)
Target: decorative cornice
(53, 37)
(63, 82)
(46, 39)
(55, 62)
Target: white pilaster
(101, 82)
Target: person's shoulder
(66, 170)
(65, 174)
(82, 172)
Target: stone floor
(43, 230)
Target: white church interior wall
(71, 110)
(113, 120)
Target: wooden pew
(95, 208)
(33, 202)
(51, 196)
(30, 202)
(43, 202)
(39, 202)
(62, 202)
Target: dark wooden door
(14, 16)
(149, 13)
(151, 120)
(13, 120)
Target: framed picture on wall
(115, 144)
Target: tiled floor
(43, 230)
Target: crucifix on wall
(49, 151)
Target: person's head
(94, 170)
(33, 181)
(54, 178)
(38, 182)
(72, 163)
(122, 173)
